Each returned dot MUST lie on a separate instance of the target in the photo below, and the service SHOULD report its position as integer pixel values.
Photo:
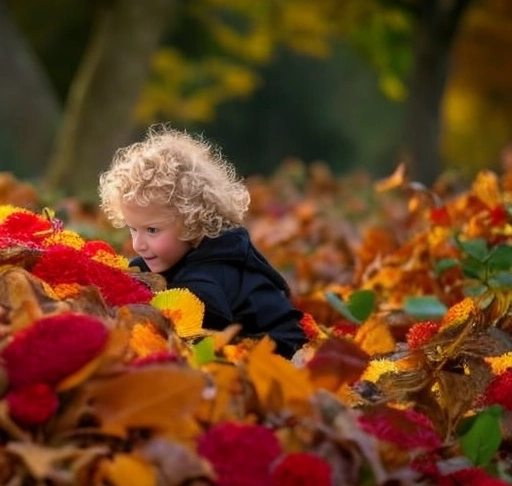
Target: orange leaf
(223, 405)
(374, 337)
(393, 181)
(161, 397)
(486, 187)
(266, 370)
(127, 470)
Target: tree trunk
(437, 22)
(29, 108)
(99, 113)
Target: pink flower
(53, 348)
(302, 469)
(499, 391)
(407, 429)
(32, 404)
(241, 454)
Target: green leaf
(477, 248)
(500, 258)
(502, 280)
(204, 351)
(474, 268)
(445, 264)
(361, 304)
(425, 307)
(340, 306)
(483, 438)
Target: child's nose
(138, 242)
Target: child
(184, 207)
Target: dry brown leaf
(175, 464)
(264, 368)
(20, 256)
(42, 462)
(338, 360)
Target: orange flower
(63, 291)
(65, 237)
(146, 340)
(112, 260)
(459, 313)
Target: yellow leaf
(266, 370)
(127, 470)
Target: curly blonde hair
(183, 173)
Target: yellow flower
(116, 261)
(183, 308)
(8, 209)
(459, 313)
(499, 364)
(145, 340)
(65, 237)
(377, 367)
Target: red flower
(498, 215)
(26, 227)
(499, 391)
(309, 326)
(407, 429)
(302, 469)
(32, 404)
(343, 328)
(476, 477)
(440, 216)
(420, 333)
(241, 454)
(94, 246)
(53, 348)
(62, 264)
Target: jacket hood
(234, 246)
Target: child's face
(155, 235)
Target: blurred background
(359, 85)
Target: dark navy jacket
(238, 285)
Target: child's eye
(152, 230)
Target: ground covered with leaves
(107, 378)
